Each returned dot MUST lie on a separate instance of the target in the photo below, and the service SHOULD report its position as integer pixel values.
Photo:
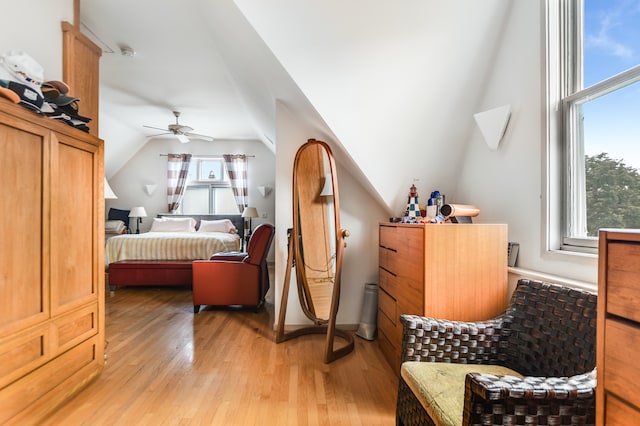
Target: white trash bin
(369, 317)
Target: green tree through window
(613, 194)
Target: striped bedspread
(169, 246)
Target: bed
(163, 255)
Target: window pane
(225, 203)
(611, 38)
(196, 200)
(612, 153)
(212, 170)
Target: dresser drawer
(410, 299)
(387, 306)
(410, 243)
(388, 282)
(623, 291)
(386, 259)
(388, 237)
(387, 327)
(622, 370)
(390, 352)
(619, 412)
(411, 267)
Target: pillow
(173, 225)
(192, 221)
(117, 214)
(114, 227)
(222, 225)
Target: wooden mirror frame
(321, 325)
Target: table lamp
(138, 213)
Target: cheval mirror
(316, 243)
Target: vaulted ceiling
(396, 83)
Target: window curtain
(236, 165)
(177, 170)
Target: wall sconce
(264, 190)
(108, 192)
(138, 213)
(150, 189)
(493, 124)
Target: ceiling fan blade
(158, 135)
(155, 128)
(182, 138)
(199, 136)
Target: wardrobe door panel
(73, 225)
(23, 279)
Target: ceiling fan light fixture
(182, 138)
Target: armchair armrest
(547, 399)
(436, 340)
(231, 256)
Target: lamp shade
(250, 212)
(138, 212)
(108, 192)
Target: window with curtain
(594, 103)
(208, 188)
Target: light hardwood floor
(167, 366)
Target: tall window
(599, 87)
(208, 188)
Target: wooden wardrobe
(52, 254)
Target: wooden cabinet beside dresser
(452, 271)
(618, 337)
(52, 276)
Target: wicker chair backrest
(551, 330)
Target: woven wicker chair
(548, 335)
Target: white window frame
(565, 173)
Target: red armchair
(234, 278)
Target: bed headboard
(236, 219)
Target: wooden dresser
(451, 271)
(52, 276)
(618, 337)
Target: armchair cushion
(439, 387)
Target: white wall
(510, 182)
(148, 167)
(33, 26)
(360, 213)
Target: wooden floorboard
(167, 366)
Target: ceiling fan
(182, 132)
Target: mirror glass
(316, 247)
(316, 216)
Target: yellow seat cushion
(440, 386)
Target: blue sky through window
(611, 46)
